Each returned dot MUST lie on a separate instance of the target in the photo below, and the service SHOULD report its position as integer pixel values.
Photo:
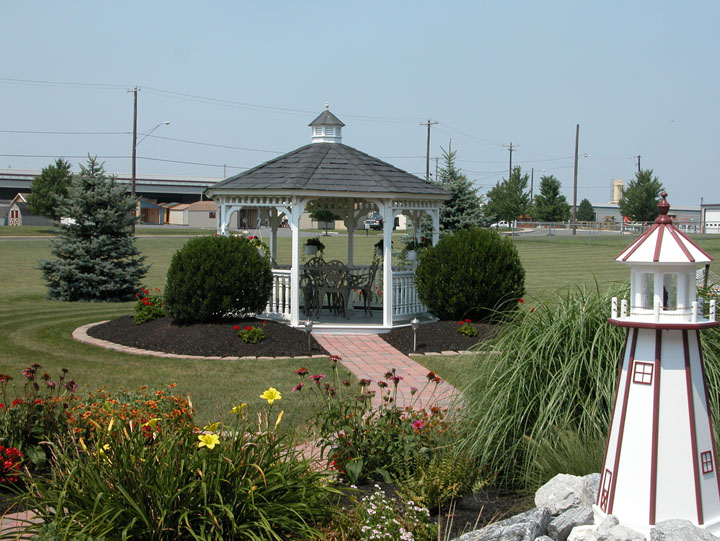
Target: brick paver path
(369, 356)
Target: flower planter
(310, 250)
(261, 252)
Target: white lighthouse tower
(660, 461)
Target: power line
(67, 132)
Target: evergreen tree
(464, 208)
(640, 198)
(97, 259)
(508, 199)
(52, 183)
(550, 206)
(585, 212)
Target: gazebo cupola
(662, 263)
(326, 128)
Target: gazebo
(328, 175)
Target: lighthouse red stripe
(655, 428)
(703, 252)
(658, 243)
(612, 416)
(623, 414)
(639, 241)
(693, 433)
(677, 238)
(707, 408)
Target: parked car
(373, 221)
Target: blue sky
(639, 77)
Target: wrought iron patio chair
(364, 283)
(336, 285)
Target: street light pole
(134, 144)
(574, 212)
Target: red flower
(248, 328)
(236, 328)
(532, 309)
(301, 371)
(521, 300)
(468, 321)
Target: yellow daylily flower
(279, 418)
(152, 422)
(271, 395)
(101, 451)
(212, 427)
(237, 410)
(208, 440)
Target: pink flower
(317, 377)
(298, 387)
(417, 425)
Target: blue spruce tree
(96, 255)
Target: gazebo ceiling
(330, 167)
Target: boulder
(563, 492)
(561, 526)
(593, 480)
(679, 530)
(608, 530)
(526, 526)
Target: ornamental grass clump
(553, 368)
(240, 480)
(363, 442)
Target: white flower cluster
(381, 517)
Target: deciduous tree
(96, 255)
(509, 199)
(640, 198)
(550, 205)
(52, 183)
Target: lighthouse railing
(684, 314)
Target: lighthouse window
(707, 462)
(647, 290)
(670, 286)
(643, 373)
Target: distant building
(710, 218)
(685, 218)
(18, 213)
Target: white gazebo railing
(405, 297)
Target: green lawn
(33, 329)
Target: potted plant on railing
(262, 248)
(413, 246)
(313, 246)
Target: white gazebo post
(386, 211)
(293, 214)
(660, 461)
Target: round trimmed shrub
(472, 273)
(212, 277)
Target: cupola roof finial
(327, 106)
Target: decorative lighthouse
(660, 461)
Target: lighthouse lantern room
(660, 460)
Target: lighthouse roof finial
(663, 208)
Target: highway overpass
(164, 188)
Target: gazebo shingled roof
(330, 167)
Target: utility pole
(574, 212)
(638, 159)
(427, 155)
(134, 148)
(532, 175)
(510, 148)
(436, 169)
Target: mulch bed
(207, 339)
(436, 337)
(220, 340)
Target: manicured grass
(33, 329)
